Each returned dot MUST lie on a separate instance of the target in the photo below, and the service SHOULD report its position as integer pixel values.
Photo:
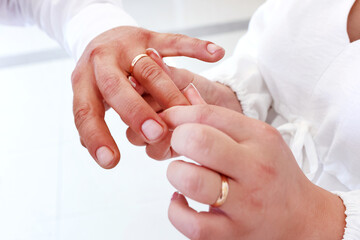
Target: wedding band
(224, 192)
(135, 60)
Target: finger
(190, 91)
(152, 103)
(89, 112)
(194, 225)
(158, 83)
(197, 183)
(180, 45)
(183, 78)
(210, 148)
(135, 138)
(161, 150)
(136, 85)
(121, 96)
(193, 95)
(228, 121)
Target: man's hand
(100, 79)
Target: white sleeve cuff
(91, 22)
(241, 74)
(351, 201)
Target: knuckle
(150, 71)
(75, 77)
(109, 85)
(144, 34)
(205, 111)
(96, 52)
(270, 133)
(134, 113)
(176, 38)
(82, 114)
(174, 98)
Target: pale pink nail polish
(212, 48)
(175, 196)
(152, 130)
(132, 81)
(104, 156)
(151, 52)
(193, 95)
(154, 51)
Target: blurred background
(50, 188)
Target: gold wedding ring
(224, 192)
(135, 60)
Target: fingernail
(152, 129)
(212, 48)
(151, 52)
(175, 196)
(193, 95)
(154, 51)
(132, 81)
(104, 156)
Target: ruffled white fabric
(302, 145)
(351, 201)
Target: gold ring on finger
(135, 60)
(224, 192)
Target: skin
(212, 93)
(269, 196)
(100, 80)
(354, 22)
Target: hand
(100, 79)
(269, 196)
(189, 84)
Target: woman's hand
(269, 196)
(100, 79)
(188, 83)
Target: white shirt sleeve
(241, 73)
(351, 201)
(73, 23)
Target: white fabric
(298, 55)
(73, 23)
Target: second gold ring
(135, 60)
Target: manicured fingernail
(132, 81)
(193, 95)
(154, 51)
(104, 156)
(175, 196)
(152, 129)
(212, 48)
(151, 52)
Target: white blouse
(297, 69)
(72, 23)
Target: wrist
(322, 217)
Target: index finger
(234, 124)
(170, 45)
